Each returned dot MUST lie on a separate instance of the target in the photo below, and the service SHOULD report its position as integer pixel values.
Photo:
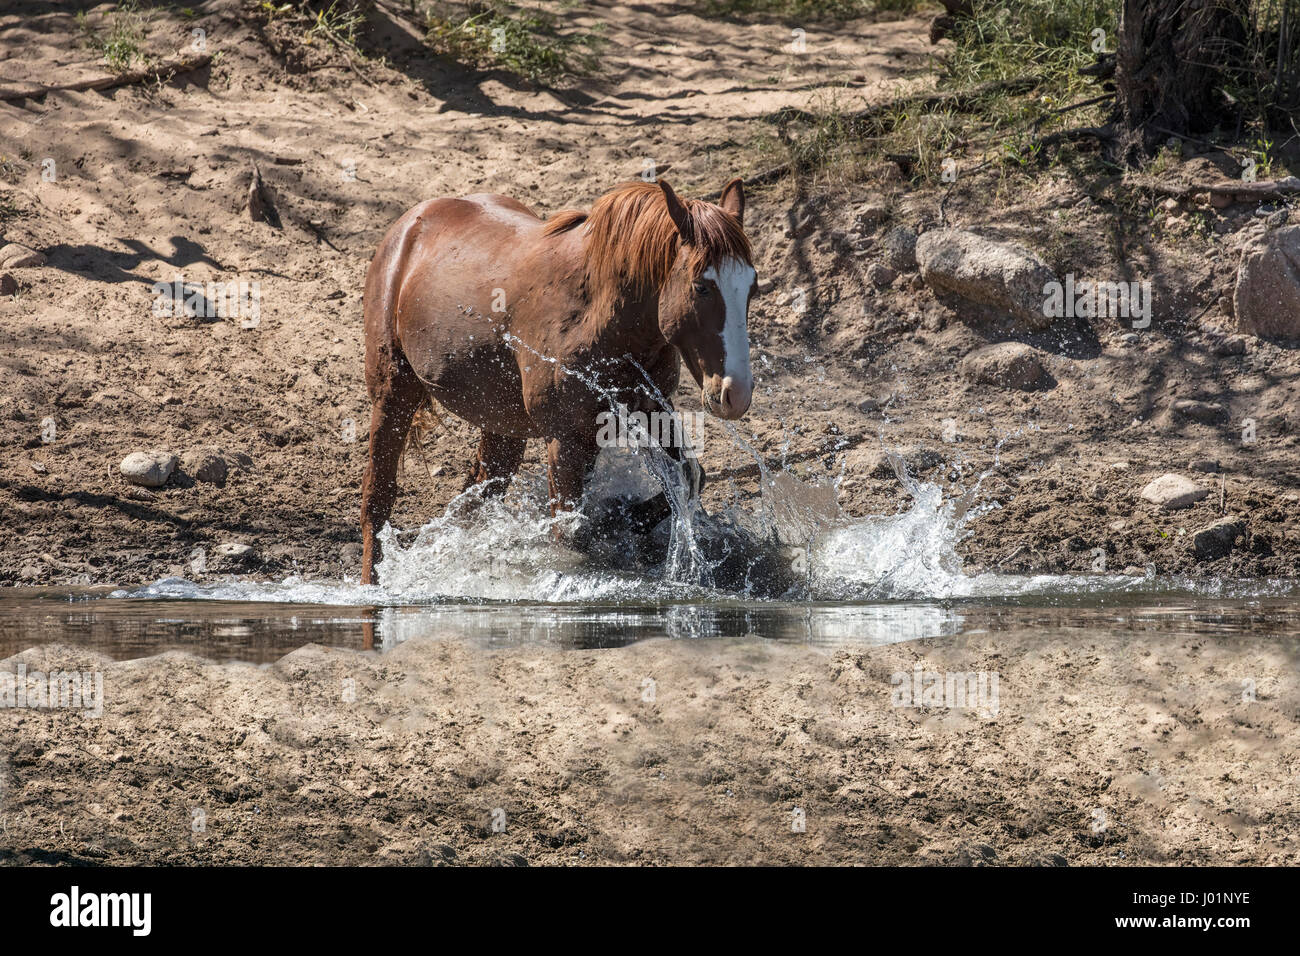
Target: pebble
(234, 551)
(881, 275)
(1206, 413)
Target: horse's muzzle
(732, 399)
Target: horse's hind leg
(499, 457)
(395, 396)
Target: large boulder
(1267, 298)
(999, 274)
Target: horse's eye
(702, 288)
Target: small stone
(1233, 345)
(1173, 492)
(881, 275)
(1206, 413)
(205, 465)
(18, 256)
(1171, 205)
(1208, 465)
(1006, 364)
(1217, 539)
(234, 551)
(870, 216)
(900, 248)
(150, 469)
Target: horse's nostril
(726, 396)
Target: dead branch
(162, 71)
(1244, 191)
(870, 118)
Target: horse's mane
(632, 241)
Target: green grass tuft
(523, 41)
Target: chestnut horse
(530, 329)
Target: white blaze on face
(734, 279)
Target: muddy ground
(151, 183)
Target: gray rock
(1006, 365)
(881, 275)
(900, 248)
(150, 469)
(1267, 297)
(1173, 492)
(870, 216)
(17, 256)
(234, 551)
(1233, 345)
(1209, 465)
(999, 274)
(1217, 540)
(1207, 413)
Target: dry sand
(1120, 748)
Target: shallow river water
(786, 566)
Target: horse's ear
(676, 209)
(733, 198)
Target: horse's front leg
(569, 460)
(643, 516)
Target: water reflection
(571, 627)
(261, 632)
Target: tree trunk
(1172, 57)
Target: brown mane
(631, 241)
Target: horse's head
(704, 304)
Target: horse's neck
(627, 325)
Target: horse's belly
(486, 404)
(477, 381)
